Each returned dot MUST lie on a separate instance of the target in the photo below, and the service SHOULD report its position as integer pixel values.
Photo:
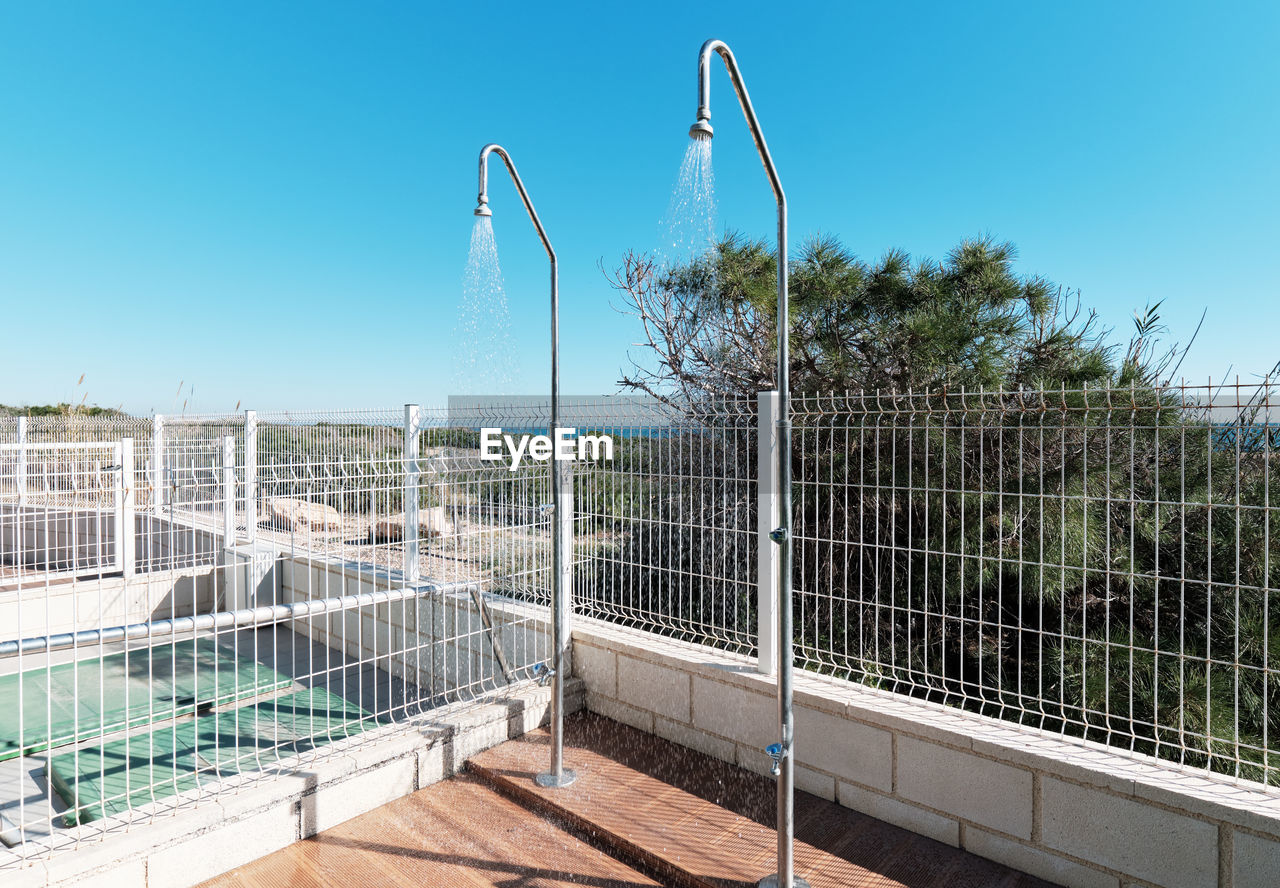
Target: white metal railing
(63, 508)
(1094, 563)
(297, 581)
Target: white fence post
(22, 460)
(564, 514)
(251, 474)
(767, 519)
(126, 525)
(412, 475)
(228, 491)
(158, 484)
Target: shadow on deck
(643, 812)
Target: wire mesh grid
(298, 583)
(58, 502)
(1096, 563)
(665, 531)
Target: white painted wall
(111, 601)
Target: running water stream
(484, 361)
(688, 229)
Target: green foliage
(1006, 512)
(968, 321)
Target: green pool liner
(101, 781)
(77, 701)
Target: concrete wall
(75, 605)
(161, 543)
(48, 538)
(82, 541)
(437, 641)
(1080, 816)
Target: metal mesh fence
(665, 531)
(292, 584)
(1096, 563)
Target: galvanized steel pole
(782, 752)
(558, 775)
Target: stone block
(225, 848)
(736, 713)
(890, 810)
(334, 803)
(621, 712)
(1134, 838)
(597, 667)
(965, 785)
(847, 749)
(661, 690)
(1255, 861)
(1035, 861)
(694, 739)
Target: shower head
(482, 194)
(701, 130)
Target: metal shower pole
(558, 775)
(782, 753)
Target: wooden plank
(458, 833)
(657, 808)
(702, 823)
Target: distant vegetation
(59, 410)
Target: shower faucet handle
(775, 753)
(543, 673)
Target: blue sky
(272, 202)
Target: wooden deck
(699, 822)
(456, 833)
(664, 814)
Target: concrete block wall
(1080, 816)
(238, 825)
(438, 641)
(162, 542)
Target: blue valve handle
(775, 753)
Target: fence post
(228, 491)
(564, 514)
(767, 518)
(22, 461)
(412, 423)
(126, 524)
(251, 474)
(158, 484)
